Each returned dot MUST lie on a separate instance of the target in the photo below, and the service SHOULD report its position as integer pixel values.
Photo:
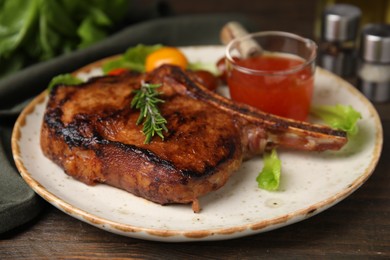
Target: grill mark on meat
(89, 130)
(210, 169)
(197, 92)
(79, 133)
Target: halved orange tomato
(165, 55)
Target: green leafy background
(37, 30)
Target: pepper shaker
(374, 64)
(340, 24)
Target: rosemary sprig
(146, 100)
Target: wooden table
(357, 227)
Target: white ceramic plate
(310, 183)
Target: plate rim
(201, 234)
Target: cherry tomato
(221, 66)
(206, 78)
(165, 55)
(116, 72)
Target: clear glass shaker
(374, 63)
(340, 24)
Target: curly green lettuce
(338, 116)
(133, 59)
(269, 177)
(66, 79)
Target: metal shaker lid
(375, 43)
(340, 22)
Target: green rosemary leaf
(146, 100)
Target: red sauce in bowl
(280, 85)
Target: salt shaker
(374, 65)
(340, 24)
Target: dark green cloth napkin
(18, 203)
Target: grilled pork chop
(89, 130)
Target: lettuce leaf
(269, 177)
(338, 116)
(66, 79)
(134, 58)
(211, 67)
